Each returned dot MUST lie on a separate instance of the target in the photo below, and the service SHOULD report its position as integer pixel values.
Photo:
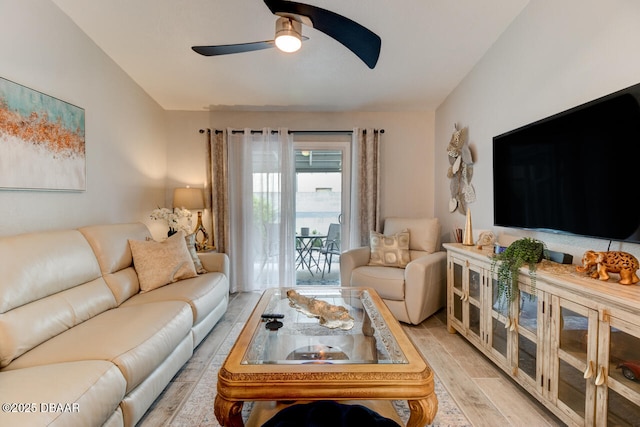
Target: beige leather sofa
(414, 292)
(80, 345)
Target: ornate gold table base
(229, 413)
(422, 411)
(409, 378)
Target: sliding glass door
(322, 186)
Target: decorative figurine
(330, 316)
(467, 240)
(599, 264)
(485, 238)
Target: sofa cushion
(50, 276)
(90, 390)
(19, 330)
(424, 232)
(123, 284)
(161, 263)
(389, 250)
(37, 265)
(110, 243)
(203, 293)
(136, 339)
(387, 281)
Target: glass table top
(324, 326)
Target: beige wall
(137, 153)
(554, 56)
(407, 184)
(125, 130)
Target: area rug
(198, 408)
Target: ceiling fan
(360, 40)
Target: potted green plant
(523, 251)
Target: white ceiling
(428, 46)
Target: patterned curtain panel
(217, 199)
(365, 209)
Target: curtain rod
(302, 132)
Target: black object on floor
(328, 414)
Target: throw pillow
(191, 245)
(160, 263)
(390, 251)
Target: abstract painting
(42, 145)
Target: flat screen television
(576, 172)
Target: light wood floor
(485, 395)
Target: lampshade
(288, 35)
(188, 198)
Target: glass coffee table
(323, 343)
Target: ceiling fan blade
(360, 40)
(228, 49)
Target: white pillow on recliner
(424, 232)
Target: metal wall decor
(460, 171)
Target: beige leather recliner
(412, 293)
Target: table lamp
(192, 199)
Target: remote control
(272, 316)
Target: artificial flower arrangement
(173, 218)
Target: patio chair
(330, 247)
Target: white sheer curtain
(261, 206)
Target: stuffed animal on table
(599, 264)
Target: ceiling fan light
(288, 35)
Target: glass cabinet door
(574, 359)
(474, 278)
(529, 335)
(619, 370)
(457, 294)
(499, 337)
(465, 293)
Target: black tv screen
(575, 172)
